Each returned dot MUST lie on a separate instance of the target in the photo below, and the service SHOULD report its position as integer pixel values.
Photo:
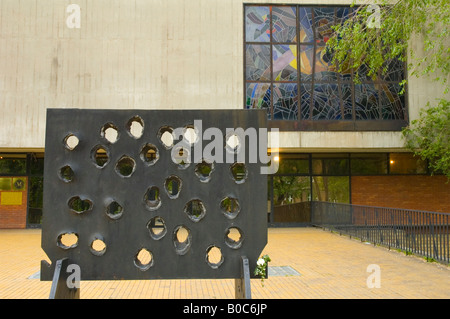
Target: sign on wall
(11, 189)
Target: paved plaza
(307, 263)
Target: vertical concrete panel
(162, 54)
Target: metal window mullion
(349, 179)
(297, 37)
(313, 68)
(244, 49)
(339, 84)
(271, 63)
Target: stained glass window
(289, 71)
(258, 62)
(257, 24)
(366, 101)
(284, 24)
(323, 21)
(306, 25)
(391, 101)
(326, 102)
(307, 62)
(285, 97)
(305, 100)
(258, 97)
(284, 64)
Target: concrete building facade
(175, 54)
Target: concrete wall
(137, 54)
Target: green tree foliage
(289, 189)
(375, 35)
(373, 38)
(429, 135)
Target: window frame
(300, 124)
(31, 173)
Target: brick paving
(308, 263)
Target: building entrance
(21, 189)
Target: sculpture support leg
(242, 285)
(60, 289)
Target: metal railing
(421, 233)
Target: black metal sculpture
(126, 198)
